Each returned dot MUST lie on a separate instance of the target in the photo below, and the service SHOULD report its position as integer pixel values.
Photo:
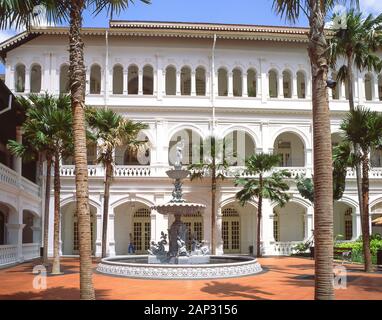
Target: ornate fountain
(178, 262)
(177, 253)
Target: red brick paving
(285, 278)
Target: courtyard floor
(284, 278)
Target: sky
(257, 12)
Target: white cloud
(371, 6)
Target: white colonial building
(189, 80)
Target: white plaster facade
(277, 119)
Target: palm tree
(316, 12)
(357, 45)
(112, 131)
(19, 13)
(48, 126)
(268, 185)
(211, 166)
(364, 128)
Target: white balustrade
(129, 171)
(31, 251)
(284, 248)
(11, 178)
(8, 254)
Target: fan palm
(111, 131)
(212, 149)
(316, 12)
(364, 128)
(357, 45)
(48, 129)
(268, 185)
(19, 13)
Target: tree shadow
(55, 293)
(234, 290)
(67, 267)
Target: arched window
(301, 85)
(95, 79)
(132, 87)
(222, 82)
(380, 87)
(185, 81)
(287, 84)
(237, 82)
(251, 83)
(368, 87)
(20, 78)
(200, 78)
(148, 80)
(64, 79)
(336, 89)
(273, 88)
(118, 79)
(2, 228)
(35, 78)
(170, 81)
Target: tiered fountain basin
(218, 267)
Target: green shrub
(357, 250)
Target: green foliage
(357, 248)
(112, 130)
(269, 185)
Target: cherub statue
(179, 153)
(182, 250)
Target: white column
(87, 73)
(10, 76)
(140, 82)
(361, 89)
(294, 86)
(356, 219)
(308, 84)
(280, 86)
(376, 90)
(17, 161)
(230, 84)
(153, 226)
(219, 238)
(267, 239)
(309, 223)
(343, 91)
(98, 242)
(193, 83)
(245, 84)
(103, 84)
(178, 74)
(125, 80)
(308, 162)
(110, 233)
(27, 80)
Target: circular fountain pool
(218, 267)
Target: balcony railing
(11, 178)
(160, 171)
(31, 251)
(8, 254)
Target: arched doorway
(289, 222)
(28, 221)
(142, 230)
(132, 225)
(342, 221)
(69, 229)
(194, 225)
(231, 230)
(290, 148)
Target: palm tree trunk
(259, 217)
(323, 179)
(108, 175)
(356, 146)
(56, 228)
(365, 219)
(46, 209)
(213, 205)
(77, 85)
